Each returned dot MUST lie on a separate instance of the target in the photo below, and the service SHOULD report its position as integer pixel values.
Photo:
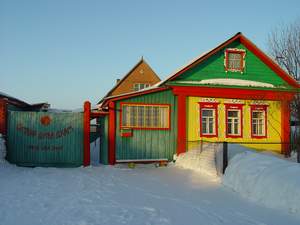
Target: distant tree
(284, 47)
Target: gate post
(86, 133)
(225, 156)
(3, 117)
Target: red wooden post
(181, 118)
(86, 134)
(3, 116)
(285, 127)
(112, 134)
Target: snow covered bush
(2, 149)
(265, 179)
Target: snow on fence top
(266, 179)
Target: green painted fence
(45, 139)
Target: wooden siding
(148, 144)
(58, 143)
(148, 76)
(213, 68)
(273, 123)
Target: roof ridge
(251, 46)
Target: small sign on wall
(126, 132)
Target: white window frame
(145, 116)
(227, 63)
(259, 122)
(140, 86)
(263, 121)
(233, 121)
(207, 122)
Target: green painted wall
(103, 121)
(149, 144)
(213, 68)
(31, 143)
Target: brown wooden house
(139, 77)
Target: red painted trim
(127, 134)
(285, 128)
(181, 124)
(237, 51)
(112, 134)
(204, 57)
(133, 94)
(259, 108)
(98, 114)
(145, 104)
(251, 47)
(238, 107)
(86, 133)
(209, 105)
(235, 93)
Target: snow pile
(201, 161)
(266, 179)
(2, 150)
(238, 82)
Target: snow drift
(2, 150)
(265, 179)
(200, 161)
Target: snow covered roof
(21, 103)
(228, 81)
(238, 82)
(9, 97)
(249, 45)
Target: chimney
(118, 80)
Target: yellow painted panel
(272, 142)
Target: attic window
(140, 86)
(234, 60)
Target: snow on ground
(265, 179)
(119, 195)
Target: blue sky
(67, 51)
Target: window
(140, 86)
(234, 60)
(233, 120)
(145, 116)
(258, 121)
(208, 119)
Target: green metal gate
(45, 139)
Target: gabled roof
(250, 46)
(149, 90)
(239, 36)
(142, 60)
(14, 100)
